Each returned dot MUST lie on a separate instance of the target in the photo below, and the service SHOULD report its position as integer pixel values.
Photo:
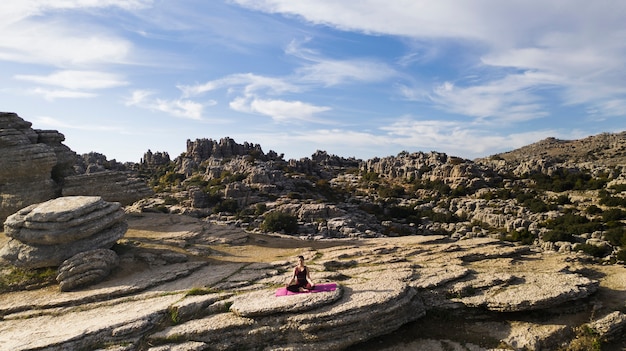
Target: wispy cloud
(53, 123)
(279, 110)
(53, 94)
(319, 69)
(31, 34)
(181, 108)
(248, 83)
(580, 46)
(72, 79)
(457, 138)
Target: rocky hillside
(553, 201)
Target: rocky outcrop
(86, 268)
(36, 166)
(203, 149)
(120, 187)
(25, 166)
(46, 234)
(155, 159)
(611, 326)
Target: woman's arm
(293, 276)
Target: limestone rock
(25, 166)
(86, 268)
(534, 291)
(37, 256)
(62, 220)
(110, 185)
(46, 234)
(264, 303)
(610, 326)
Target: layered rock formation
(46, 234)
(120, 187)
(86, 268)
(26, 164)
(225, 304)
(36, 166)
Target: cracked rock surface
(186, 284)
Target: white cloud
(72, 79)
(457, 138)
(18, 10)
(29, 35)
(515, 97)
(278, 110)
(329, 72)
(53, 123)
(53, 94)
(60, 45)
(178, 107)
(247, 82)
(579, 45)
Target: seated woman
(301, 279)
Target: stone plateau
(211, 287)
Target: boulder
(46, 234)
(86, 268)
(38, 256)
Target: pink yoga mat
(318, 288)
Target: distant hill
(606, 149)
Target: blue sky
(354, 78)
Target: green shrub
(408, 213)
(616, 236)
(558, 235)
(613, 214)
(621, 255)
(574, 224)
(593, 209)
(593, 250)
(226, 205)
(260, 209)
(370, 176)
(280, 221)
(523, 236)
(393, 191)
(562, 200)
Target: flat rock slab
(83, 327)
(533, 291)
(61, 209)
(265, 303)
(162, 280)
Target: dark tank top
(301, 275)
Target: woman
(301, 279)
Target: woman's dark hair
(301, 257)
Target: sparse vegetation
(280, 221)
(14, 278)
